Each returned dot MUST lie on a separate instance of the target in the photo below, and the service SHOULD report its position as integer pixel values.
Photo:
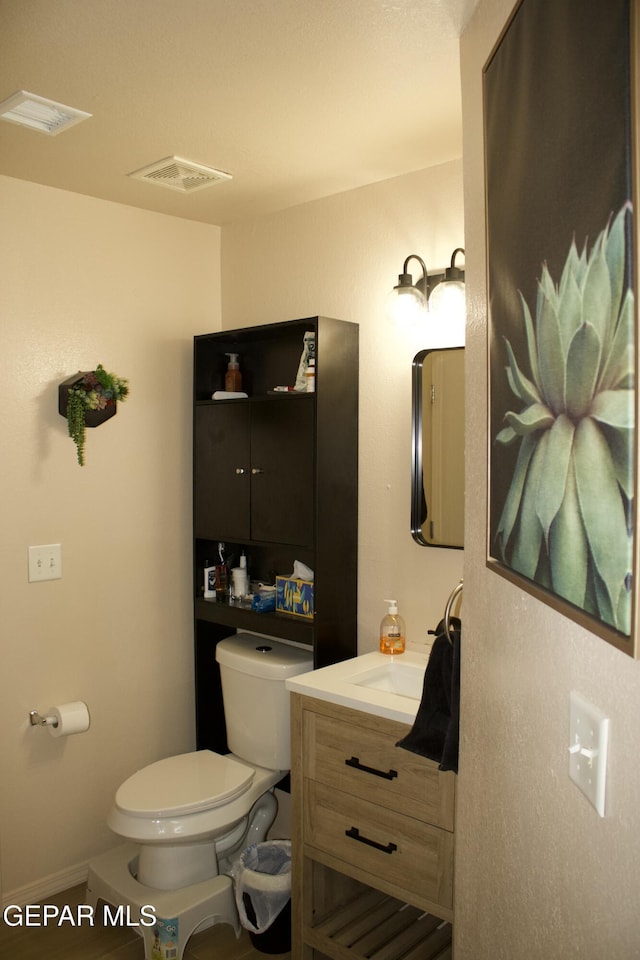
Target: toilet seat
(185, 784)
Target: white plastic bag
(263, 883)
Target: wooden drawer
(409, 854)
(363, 761)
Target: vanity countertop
(387, 686)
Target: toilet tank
(253, 671)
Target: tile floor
(84, 942)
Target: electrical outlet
(45, 562)
(588, 741)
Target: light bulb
(407, 304)
(447, 306)
(448, 300)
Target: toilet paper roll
(68, 718)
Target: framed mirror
(437, 448)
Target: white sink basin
(374, 682)
(402, 678)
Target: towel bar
(447, 610)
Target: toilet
(188, 818)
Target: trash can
(263, 895)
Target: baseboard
(47, 886)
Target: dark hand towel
(435, 732)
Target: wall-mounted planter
(92, 418)
(88, 399)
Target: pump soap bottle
(233, 377)
(392, 631)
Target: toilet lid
(184, 784)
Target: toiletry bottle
(392, 632)
(311, 375)
(233, 377)
(243, 567)
(209, 581)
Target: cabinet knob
(255, 470)
(240, 471)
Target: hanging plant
(90, 400)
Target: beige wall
(339, 257)
(83, 282)
(538, 873)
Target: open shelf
(243, 618)
(379, 927)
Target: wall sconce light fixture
(448, 297)
(441, 293)
(408, 301)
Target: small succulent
(95, 391)
(567, 518)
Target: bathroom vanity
(275, 475)
(372, 824)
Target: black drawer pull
(355, 762)
(354, 833)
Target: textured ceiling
(297, 99)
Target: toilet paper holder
(63, 719)
(38, 721)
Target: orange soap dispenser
(233, 377)
(392, 630)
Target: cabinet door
(222, 471)
(282, 471)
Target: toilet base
(111, 879)
(163, 866)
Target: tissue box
(294, 597)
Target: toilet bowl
(191, 816)
(189, 811)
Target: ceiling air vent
(38, 113)
(178, 174)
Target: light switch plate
(45, 562)
(588, 741)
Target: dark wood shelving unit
(275, 475)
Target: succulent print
(567, 518)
